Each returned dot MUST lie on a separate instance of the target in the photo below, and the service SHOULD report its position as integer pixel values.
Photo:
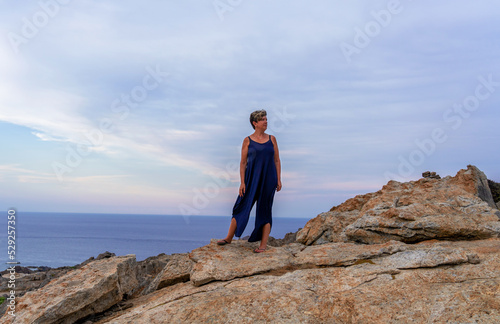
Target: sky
(142, 107)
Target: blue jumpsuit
(261, 180)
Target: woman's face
(262, 123)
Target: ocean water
(67, 239)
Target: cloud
(351, 121)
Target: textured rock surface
(495, 191)
(452, 208)
(214, 263)
(430, 282)
(178, 269)
(148, 270)
(345, 254)
(91, 289)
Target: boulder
(432, 175)
(474, 181)
(452, 208)
(148, 270)
(288, 238)
(91, 289)
(222, 263)
(178, 269)
(495, 192)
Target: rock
(19, 270)
(495, 191)
(345, 254)
(35, 277)
(29, 280)
(148, 270)
(152, 265)
(328, 226)
(289, 238)
(91, 289)
(431, 257)
(475, 182)
(425, 251)
(105, 255)
(430, 282)
(214, 262)
(431, 175)
(101, 256)
(178, 269)
(452, 208)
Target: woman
(260, 175)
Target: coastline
(66, 240)
(379, 257)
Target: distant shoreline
(55, 240)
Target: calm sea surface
(64, 239)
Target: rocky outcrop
(426, 251)
(495, 191)
(177, 270)
(33, 278)
(91, 289)
(215, 263)
(394, 282)
(148, 270)
(475, 182)
(452, 208)
(432, 175)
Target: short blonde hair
(256, 116)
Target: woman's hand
(278, 188)
(242, 189)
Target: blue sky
(141, 107)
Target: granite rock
(430, 282)
(148, 270)
(178, 269)
(452, 208)
(91, 289)
(222, 263)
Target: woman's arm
(277, 162)
(243, 165)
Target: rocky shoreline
(32, 278)
(425, 251)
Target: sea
(67, 239)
